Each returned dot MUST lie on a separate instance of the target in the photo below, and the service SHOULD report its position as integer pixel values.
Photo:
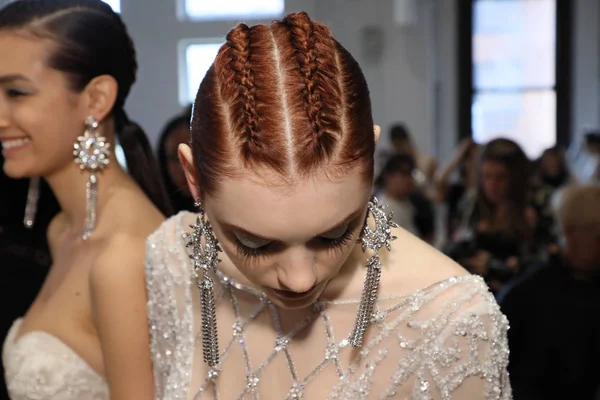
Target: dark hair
(399, 132)
(179, 199)
(287, 97)
(509, 154)
(399, 162)
(91, 40)
(592, 137)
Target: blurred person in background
(495, 239)
(425, 165)
(554, 308)
(175, 132)
(397, 189)
(457, 194)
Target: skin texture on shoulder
(118, 293)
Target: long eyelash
(249, 252)
(341, 241)
(333, 244)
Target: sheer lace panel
(445, 341)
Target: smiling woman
(288, 275)
(66, 69)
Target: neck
(69, 187)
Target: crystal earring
(92, 153)
(205, 252)
(373, 240)
(33, 195)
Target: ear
(187, 163)
(377, 131)
(100, 95)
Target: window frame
(184, 96)
(183, 16)
(120, 7)
(562, 83)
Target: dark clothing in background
(554, 334)
(24, 255)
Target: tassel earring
(205, 252)
(92, 153)
(33, 195)
(373, 240)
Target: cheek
(52, 130)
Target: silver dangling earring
(33, 194)
(205, 259)
(92, 153)
(373, 240)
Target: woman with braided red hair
(287, 284)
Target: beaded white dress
(39, 366)
(445, 341)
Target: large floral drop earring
(92, 154)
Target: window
(196, 57)
(203, 10)
(115, 4)
(514, 72)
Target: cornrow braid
(244, 113)
(303, 41)
(312, 47)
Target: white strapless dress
(39, 366)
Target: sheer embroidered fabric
(445, 341)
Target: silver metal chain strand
(210, 340)
(91, 200)
(33, 195)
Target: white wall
(400, 81)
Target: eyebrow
(346, 220)
(12, 78)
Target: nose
(297, 271)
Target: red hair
(286, 97)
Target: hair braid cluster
(239, 40)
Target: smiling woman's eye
(12, 92)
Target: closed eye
(12, 93)
(335, 239)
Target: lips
(290, 295)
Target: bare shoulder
(120, 261)
(413, 264)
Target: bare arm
(120, 315)
(442, 176)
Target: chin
(14, 170)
